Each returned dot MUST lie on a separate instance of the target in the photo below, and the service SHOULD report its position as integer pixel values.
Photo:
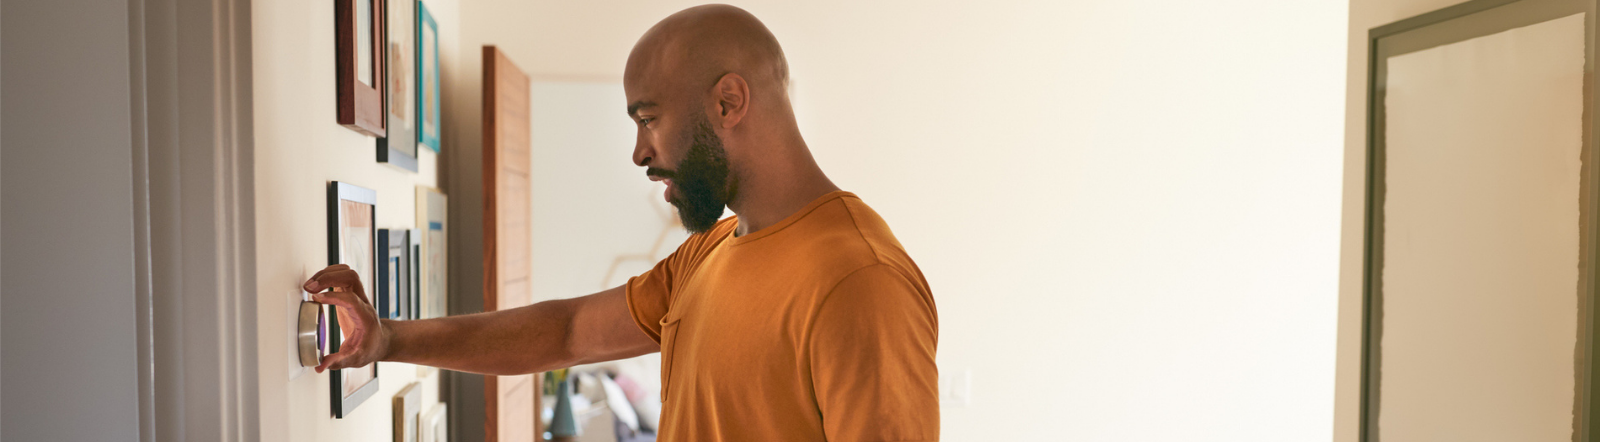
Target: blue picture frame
(428, 90)
(394, 274)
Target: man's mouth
(663, 178)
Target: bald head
(707, 88)
(691, 50)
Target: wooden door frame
(492, 57)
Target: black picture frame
(399, 147)
(350, 208)
(1460, 22)
(394, 274)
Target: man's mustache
(653, 172)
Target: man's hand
(367, 340)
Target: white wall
(1128, 211)
(70, 369)
(299, 148)
(581, 187)
(1364, 15)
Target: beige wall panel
(1480, 278)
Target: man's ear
(732, 96)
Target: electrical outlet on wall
(955, 387)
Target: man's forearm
(522, 340)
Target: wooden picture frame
(391, 296)
(428, 90)
(359, 40)
(352, 240)
(408, 413)
(1454, 24)
(398, 147)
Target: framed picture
(435, 268)
(393, 292)
(408, 413)
(428, 77)
(435, 424)
(413, 273)
(1480, 231)
(352, 240)
(399, 147)
(359, 34)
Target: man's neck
(766, 202)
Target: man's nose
(642, 152)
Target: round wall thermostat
(309, 336)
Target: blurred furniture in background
(602, 409)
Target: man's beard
(702, 179)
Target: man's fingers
(347, 356)
(356, 314)
(346, 360)
(329, 361)
(310, 284)
(339, 299)
(330, 278)
(329, 268)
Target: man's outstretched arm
(539, 337)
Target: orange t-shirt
(819, 327)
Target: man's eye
(645, 121)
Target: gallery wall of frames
(351, 131)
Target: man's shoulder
(856, 237)
(870, 225)
(868, 228)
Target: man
(799, 319)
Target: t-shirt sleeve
(650, 294)
(872, 359)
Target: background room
(1128, 211)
